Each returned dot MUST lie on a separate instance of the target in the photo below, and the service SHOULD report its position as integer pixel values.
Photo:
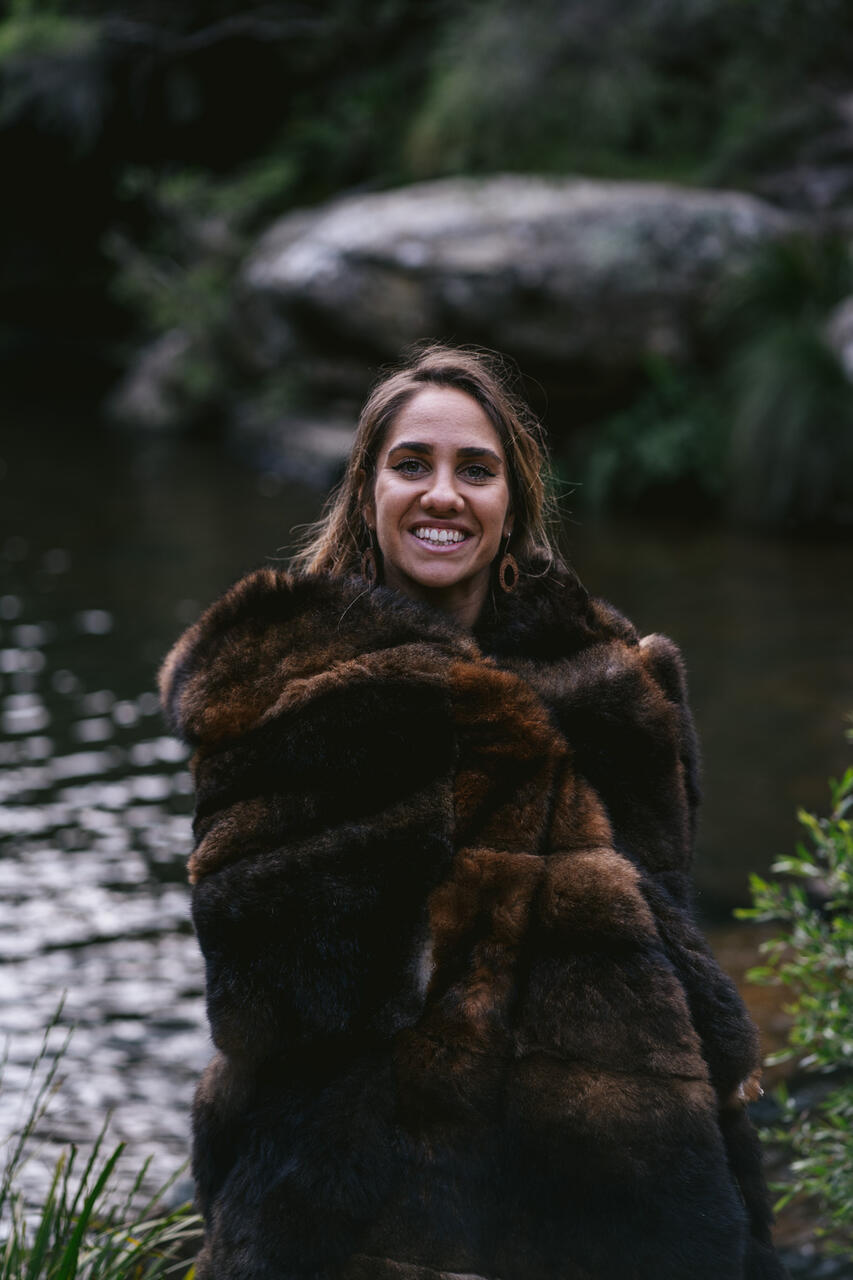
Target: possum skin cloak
(465, 1025)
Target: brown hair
(336, 543)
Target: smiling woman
(439, 398)
(465, 1024)
(439, 503)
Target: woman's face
(440, 501)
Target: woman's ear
(365, 501)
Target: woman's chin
(437, 575)
(440, 583)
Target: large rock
(548, 269)
(151, 394)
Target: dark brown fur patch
(596, 893)
(579, 820)
(478, 920)
(467, 1028)
(237, 833)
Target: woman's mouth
(439, 537)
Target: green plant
(813, 959)
(39, 27)
(84, 1229)
(674, 435)
(790, 402)
(699, 91)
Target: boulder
(550, 270)
(150, 396)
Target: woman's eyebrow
(480, 451)
(413, 446)
(467, 451)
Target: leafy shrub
(698, 89)
(767, 429)
(813, 959)
(85, 1229)
(673, 438)
(790, 402)
(39, 27)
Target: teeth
(438, 535)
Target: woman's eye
(477, 471)
(409, 466)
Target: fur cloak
(465, 1024)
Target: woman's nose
(442, 493)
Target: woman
(465, 1023)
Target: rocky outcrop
(150, 394)
(552, 270)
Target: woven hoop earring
(508, 571)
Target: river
(109, 545)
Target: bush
(813, 959)
(670, 445)
(790, 402)
(30, 29)
(693, 89)
(85, 1229)
(766, 428)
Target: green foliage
(549, 86)
(674, 435)
(168, 296)
(795, 278)
(84, 1230)
(383, 92)
(792, 429)
(767, 428)
(39, 27)
(791, 404)
(680, 89)
(813, 959)
(183, 282)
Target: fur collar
(272, 621)
(549, 616)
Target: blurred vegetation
(813, 959)
(674, 436)
(764, 431)
(701, 90)
(176, 133)
(390, 90)
(31, 28)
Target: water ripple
(94, 833)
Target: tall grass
(84, 1228)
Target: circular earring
(508, 569)
(368, 561)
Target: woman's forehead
(443, 418)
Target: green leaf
(68, 1263)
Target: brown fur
(466, 1025)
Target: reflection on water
(108, 547)
(94, 825)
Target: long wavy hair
(337, 541)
